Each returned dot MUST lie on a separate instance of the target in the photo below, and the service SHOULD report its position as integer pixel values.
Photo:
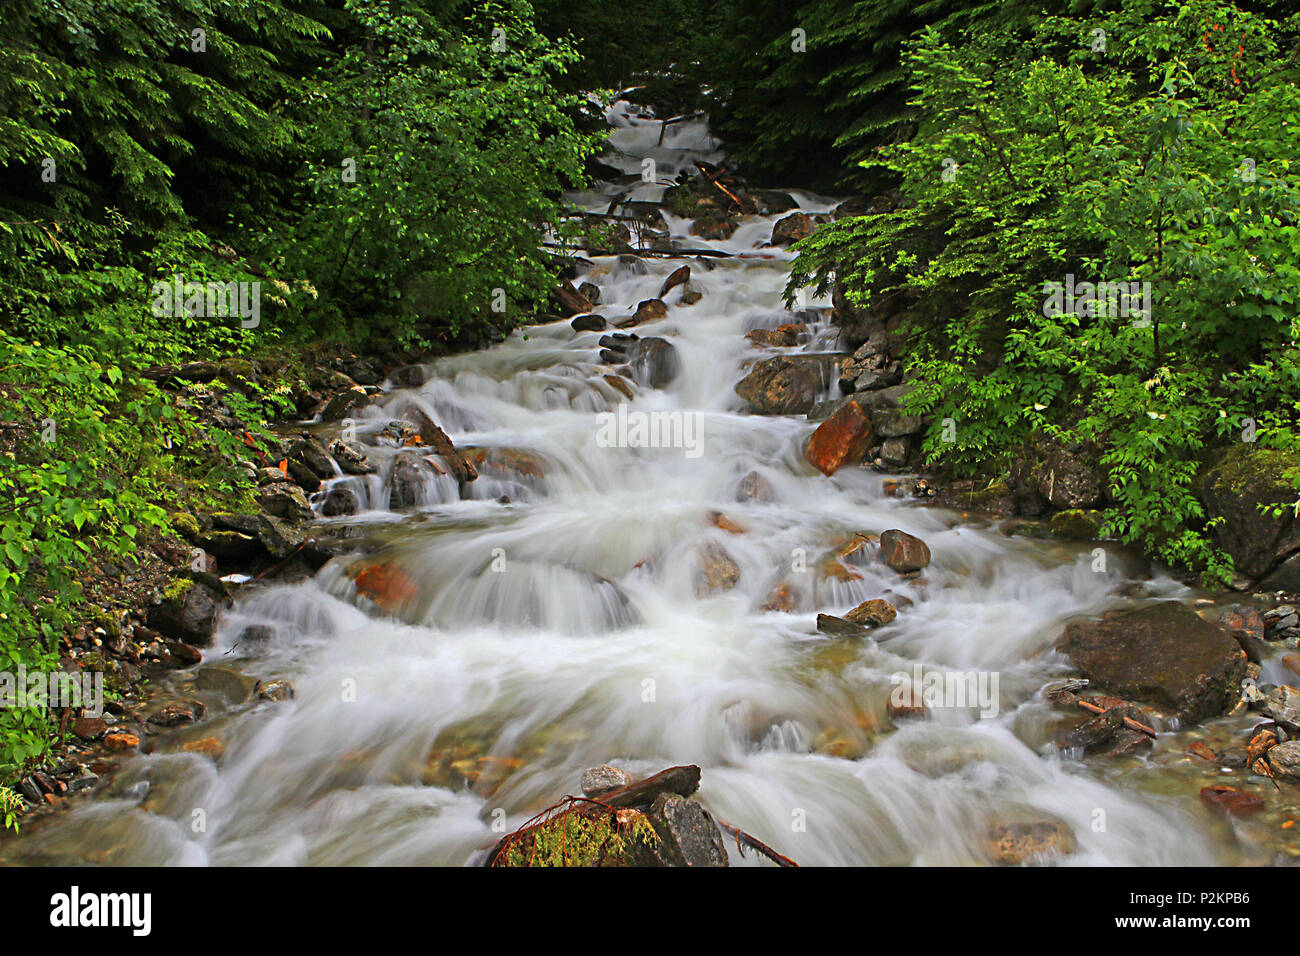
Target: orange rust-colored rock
(1231, 801)
(121, 741)
(841, 440)
(386, 586)
(719, 520)
(782, 597)
(208, 746)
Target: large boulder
(654, 361)
(1234, 488)
(903, 552)
(1165, 655)
(688, 836)
(792, 228)
(188, 608)
(784, 385)
(843, 439)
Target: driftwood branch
(743, 839)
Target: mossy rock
(186, 525)
(582, 837)
(1077, 524)
(1244, 480)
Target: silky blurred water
(565, 627)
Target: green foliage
(145, 141)
(1129, 166)
(440, 156)
(11, 808)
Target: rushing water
(558, 625)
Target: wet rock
(894, 451)
(1107, 734)
(275, 690)
(182, 654)
(351, 457)
(603, 779)
(783, 385)
(301, 475)
(284, 500)
(769, 202)
(690, 295)
(792, 228)
(256, 634)
(1234, 489)
(1021, 842)
(1231, 801)
(647, 311)
(1283, 705)
(384, 584)
(1246, 625)
(436, 440)
(590, 291)
(187, 611)
(409, 481)
(173, 715)
(653, 361)
(783, 597)
(1067, 481)
(621, 385)
(570, 300)
(408, 376)
(207, 746)
(783, 336)
(1076, 524)
(588, 323)
(1285, 577)
(630, 265)
(834, 626)
(345, 404)
(89, 728)
(118, 742)
(1164, 655)
(717, 571)
(688, 836)
(232, 685)
(280, 537)
(873, 613)
(1284, 760)
(519, 464)
(341, 500)
(754, 487)
(906, 700)
(678, 276)
(717, 229)
(887, 317)
(843, 439)
(903, 552)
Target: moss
(1077, 524)
(176, 589)
(601, 838)
(186, 525)
(1246, 464)
(107, 620)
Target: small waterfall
(554, 615)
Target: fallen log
(683, 781)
